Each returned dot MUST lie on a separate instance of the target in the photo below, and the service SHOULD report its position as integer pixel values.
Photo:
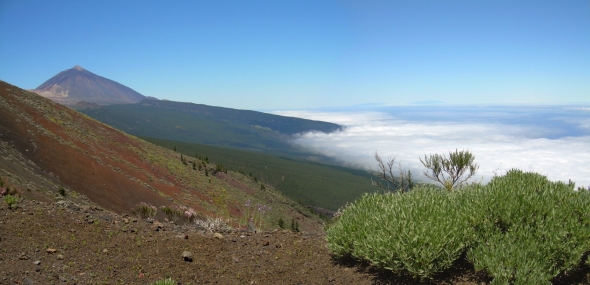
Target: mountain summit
(78, 84)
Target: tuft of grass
(167, 281)
(144, 210)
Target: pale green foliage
(530, 229)
(520, 229)
(421, 231)
(452, 171)
(167, 281)
(12, 201)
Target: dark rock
(187, 256)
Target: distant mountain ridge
(77, 84)
(219, 126)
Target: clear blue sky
(305, 54)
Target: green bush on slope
(530, 229)
(420, 231)
(520, 228)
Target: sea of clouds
(551, 140)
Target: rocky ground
(65, 243)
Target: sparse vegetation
(144, 210)
(386, 178)
(61, 191)
(292, 177)
(167, 281)
(452, 171)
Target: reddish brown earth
(76, 244)
(118, 171)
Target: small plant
(386, 178)
(219, 168)
(61, 191)
(167, 281)
(215, 224)
(144, 210)
(294, 225)
(281, 223)
(168, 211)
(187, 214)
(11, 201)
(452, 171)
(262, 187)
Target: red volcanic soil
(83, 154)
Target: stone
(156, 226)
(37, 262)
(60, 257)
(51, 250)
(187, 256)
(218, 236)
(28, 281)
(105, 250)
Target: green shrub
(422, 232)
(167, 281)
(529, 229)
(281, 223)
(11, 201)
(61, 191)
(520, 229)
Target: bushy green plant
(529, 229)
(422, 232)
(167, 281)
(12, 201)
(520, 229)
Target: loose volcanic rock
(187, 256)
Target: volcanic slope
(118, 171)
(75, 85)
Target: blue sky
(267, 55)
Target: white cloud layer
(497, 147)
